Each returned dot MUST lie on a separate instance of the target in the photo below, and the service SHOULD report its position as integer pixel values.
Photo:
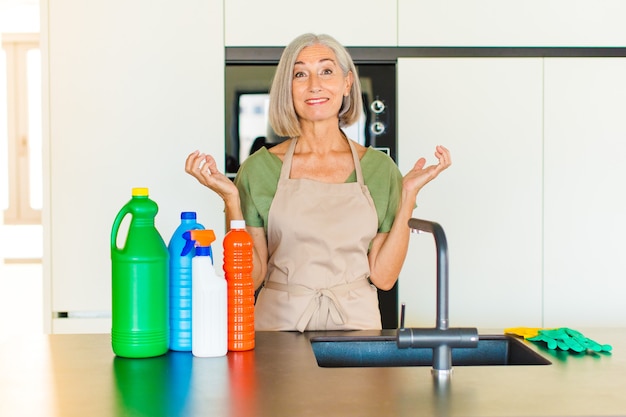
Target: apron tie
(323, 299)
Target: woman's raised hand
(420, 175)
(203, 168)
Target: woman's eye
(298, 74)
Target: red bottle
(238, 246)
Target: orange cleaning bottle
(238, 246)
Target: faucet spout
(442, 338)
(441, 244)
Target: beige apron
(318, 238)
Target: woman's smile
(316, 100)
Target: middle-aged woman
(329, 217)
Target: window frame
(19, 210)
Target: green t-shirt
(257, 180)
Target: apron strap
(357, 163)
(285, 170)
(323, 298)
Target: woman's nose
(314, 84)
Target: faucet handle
(402, 312)
(454, 337)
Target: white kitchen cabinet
(277, 22)
(488, 112)
(544, 23)
(584, 199)
(130, 90)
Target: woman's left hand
(420, 175)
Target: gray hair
(282, 113)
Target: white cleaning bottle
(209, 314)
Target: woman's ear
(349, 81)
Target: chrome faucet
(441, 338)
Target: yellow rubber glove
(525, 332)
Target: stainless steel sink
(382, 351)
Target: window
(20, 129)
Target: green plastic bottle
(139, 282)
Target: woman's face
(318, 84)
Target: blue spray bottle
(180, 284)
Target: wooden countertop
(78, 375)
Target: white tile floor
(21, 284)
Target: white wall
(277, 22)
(559, 23)
(511, 23)
(584, 222)
(531, 204)
(488, 112)
(132, 89)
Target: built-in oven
(248, 76)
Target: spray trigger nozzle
(199, 239)
(189, 244)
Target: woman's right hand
(203, 168)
